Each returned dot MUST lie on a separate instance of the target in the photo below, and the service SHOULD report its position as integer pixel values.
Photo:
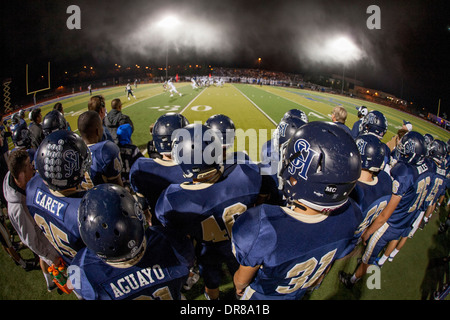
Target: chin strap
(298, 205)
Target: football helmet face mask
(437, 151)
(411, 148)
(111, 223)
(362, 111)
(428, 140)
(197, 150)
(374, 123)
(372, 152)
(53, 121)
(319, 166)
(62, 159)
(164, 128)
(225, 126)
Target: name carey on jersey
(53, 205)
(131, 282)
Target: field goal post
(39, 90)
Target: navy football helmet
(296, 113)
(285, 130)
(223, 124)
(15, 119)
(411, 148)
(428, 139)
(197, 149)
(374, 123)
(62, 159)
(319, 166)
(164, 128)
(21, 137)
(372, 152)
(53, 121)
(112, 224)
(437, 151)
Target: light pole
(167, 24)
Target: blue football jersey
(206, 211)
(387, 155)
(411, 183)
(150, 177)
(372, 198)
(129, 153)
(159, 274)
(293, 249)
(106, 163)
(57, 216)
(437, 186)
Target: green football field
(413, 275)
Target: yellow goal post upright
(39, 90)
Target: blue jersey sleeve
(250, 243)
(402, 179)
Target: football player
(427, 171)
(148, 176)
(375, 123)
(53, 121)
(106, 163)
(205, 207)
(193, 84)
(362, 112)
(225, 129)
(123, 258)
(268, 170)
(172, 88)
(21, 138)
(437, 152)
(372, 193)
(266, 152)
(409, 189)
(54, 193)
(285, 251)
(129, 91)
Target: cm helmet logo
(303, 160)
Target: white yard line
(187, 106)
(256, 106)
(301, 105)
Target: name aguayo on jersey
(126, 285)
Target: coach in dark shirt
(35, 128)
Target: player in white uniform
(129, 91)
(194, 84)
(172, 88)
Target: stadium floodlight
(331, 49)
(169, 22)
(342, 50)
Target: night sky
(408, 56)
